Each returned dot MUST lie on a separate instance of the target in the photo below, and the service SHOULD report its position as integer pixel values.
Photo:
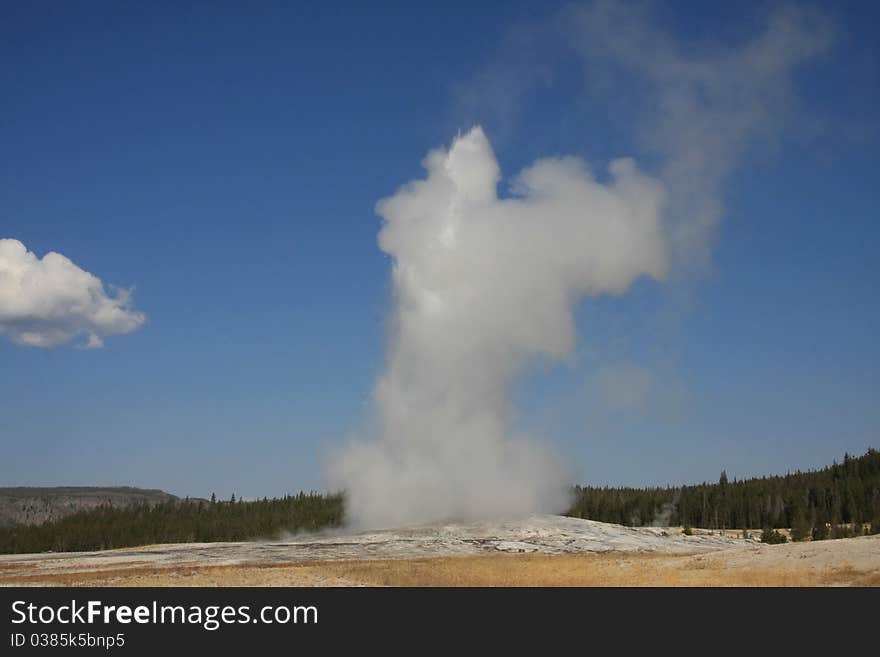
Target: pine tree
(800, 528)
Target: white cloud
(45, 302)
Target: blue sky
(225, 163)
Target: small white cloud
(94, 342)
(50, 301)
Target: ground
(537, 551)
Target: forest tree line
(840, 500)
(177, 521)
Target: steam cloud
(481, 284)
(47, 302)
(707, 105)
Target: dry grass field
(845, 562)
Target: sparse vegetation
(772, 537)
(608, 569)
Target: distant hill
(33, 506)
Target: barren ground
(538, 551)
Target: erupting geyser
(481, 284)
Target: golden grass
(613, 569)
(589, 570)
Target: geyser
(481, 284)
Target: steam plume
(707, 105)
(481, 284)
